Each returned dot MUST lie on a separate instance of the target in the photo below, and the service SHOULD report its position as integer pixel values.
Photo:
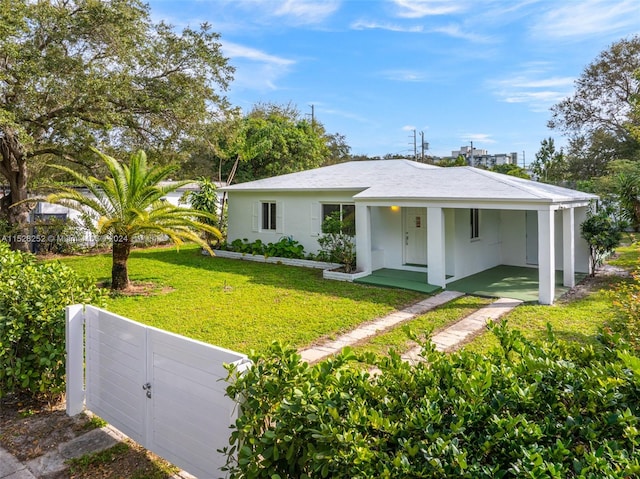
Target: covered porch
(501, 282)
(469, 245)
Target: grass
(427, 323)
(241, 305)
(125, 459)
(578, 320)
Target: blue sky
(485, 71)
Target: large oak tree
(79, 73)
(597, 115)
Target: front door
(415, 236)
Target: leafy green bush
(603, 233)
(286, 247)
(626, 304)
(527, 410)
(33, 296)
(336, 242)
(58, 236)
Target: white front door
(415, 236)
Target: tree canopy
(269, 140)
(550, 164)
(79, 73)
(598, 117)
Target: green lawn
(429, 322)
(241, 305)
(576, 320)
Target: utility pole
(424, 145)
(523, 162)
(415, 146)
(471, 157)
(313, 116)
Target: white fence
(164, 391)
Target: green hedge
(33, 296)
(529, 410)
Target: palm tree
(129, 202)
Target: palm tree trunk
(119, 272)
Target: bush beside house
(33, 296)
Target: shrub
(336, 243)
(58, 236)
(603, 233)
(626, 305)
(286, 247)
(526, 410)
(33, 296)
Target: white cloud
(478, 138)
(457, 32)
(587, 18)
(408, 128)
(255, 69)
(404, 75)
(297, 12)
(534, 86)
(365, 25)
(307, 11)
(423, 8)
(233, 50)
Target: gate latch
(147, 387)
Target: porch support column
(546, 257)
(568, 248)
(363, 238)
(436, 247)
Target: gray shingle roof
(405, 179)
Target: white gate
(164, 391)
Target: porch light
(395, 208)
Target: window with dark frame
(347, 215)
(268, 216)
(475, 223)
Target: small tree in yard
(603, 233)
(205, 199)
(336, 243)
(129, 202)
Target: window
(475, 223)
(268, 216)
(347, 216)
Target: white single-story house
(449, 222)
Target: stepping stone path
(448, 339)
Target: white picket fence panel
(164, 391)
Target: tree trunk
(14, 168)
(119, 272)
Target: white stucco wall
(472, 256)
(386, 231)
(298, 215)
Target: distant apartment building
(481, 158)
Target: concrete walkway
(461, 332)
(448, 339)
(53, 462)
(367, 330)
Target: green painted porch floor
(501, 282)
(395, 278)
